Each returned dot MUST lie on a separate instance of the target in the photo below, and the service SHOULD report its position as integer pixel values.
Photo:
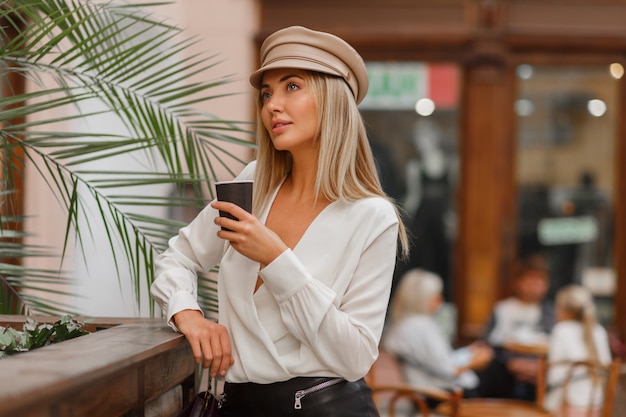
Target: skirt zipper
(301, 393)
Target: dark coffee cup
(238, 192)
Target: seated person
(423, 349)
(526, 316)
(577, 336)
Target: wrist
(274, 255)
(184, 315)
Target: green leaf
(86, 59)
(35, 335)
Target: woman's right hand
(248, 235)
(209, 341)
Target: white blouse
(321, 309)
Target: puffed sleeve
(195, 249)
(340, 317)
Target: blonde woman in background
(577, 336)
(418, 341)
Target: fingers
(230, 227)
(248, 235)
(196, 350)
(222, 358)
(209, 343)
(240, 225)
(207, 353)
(231, 208)
(226, 357)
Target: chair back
(603, 379)
(389, 388)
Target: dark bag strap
(205, 403)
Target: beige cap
(299, 47)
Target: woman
(304, 281)
(417, 340)
(577, 336)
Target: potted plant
(34, 335)
(84, 59)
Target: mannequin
(429, 179)
(431, 163)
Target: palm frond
(21, 288)
(89, 59)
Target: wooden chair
(605, 379)
(496, 407)
(418, 397)
(385, 379)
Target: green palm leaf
(87, 60)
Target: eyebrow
(283, 79)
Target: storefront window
(411, 112)
(565, 173)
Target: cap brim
(257, 76)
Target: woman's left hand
(248, 236)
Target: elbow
(355, 374)
(361, 366)
(158, 295)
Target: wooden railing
(130, 368)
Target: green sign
(395, 85)
(567, 230)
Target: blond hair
(415, 292)
(345, 167)
(578, 302)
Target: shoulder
(247, 173)
(507, 304)
(600, 330)
(415, 328)
(373, 208)
(567, 327)
(423, 320)
(367, 218)
(422, 324)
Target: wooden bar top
(126, 358)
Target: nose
(274, 103)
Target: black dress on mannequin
(430, 249)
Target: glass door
(411, 112)
(565, 168)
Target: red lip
(278, 124)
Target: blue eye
(265, 96)
(292, 86)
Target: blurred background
(497, 125)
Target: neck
(301, 180)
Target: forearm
(341, 323)
(188, 253)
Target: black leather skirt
(301, 397)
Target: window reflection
(411, 112)
(565, 173)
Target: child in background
(527, 316)
(577, 336)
